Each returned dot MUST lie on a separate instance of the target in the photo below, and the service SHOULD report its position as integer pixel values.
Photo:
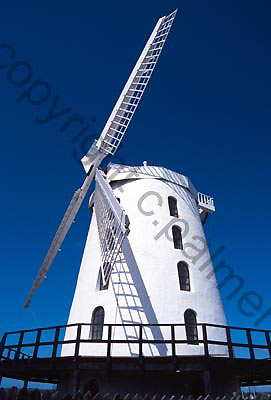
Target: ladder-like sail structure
(61, 233)
(131, 94)
(113, 225)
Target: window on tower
(172, 204)
(106, 266)
(191, 329)
(177, 237)
(97, 324)
(183, 273)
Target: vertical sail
(112, 223)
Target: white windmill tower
(137, 267)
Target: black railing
(10, 351)
(213, 340)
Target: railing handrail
(138, 324)
(140, 340)
(205, 198)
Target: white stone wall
(144, 286)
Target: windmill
(142, 277)
(110, 227)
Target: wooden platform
(250, 372)
(20, 357)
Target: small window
(183, 273)
(97, 323)
(106, 266)
(191, 329)
(173, 209)
(177, 237)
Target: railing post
(140, 350)
(205, 340)
(207, 383)
(249, 340)
(228, 333)
(2, 345)
(21, 338)
(108, 353)
(173, 344)
(54, 352)
(75, 381)
(78, 338)
(36, 349)
(268, 341)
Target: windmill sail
(61, 233)
(113, 225)
(131, 94)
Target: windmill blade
(62, 231)
(131, 94)
(113, 225)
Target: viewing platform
(35, 355)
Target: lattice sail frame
(113, 225)
(131, 94)
(62, 231)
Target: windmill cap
(117, 172)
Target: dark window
(173, 209)
(97, 323)
(191, 329)
(183, 273)
(177, 237)
(106, 266)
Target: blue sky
(206, 114)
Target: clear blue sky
(206, 114)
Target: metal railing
(14, 344)
(206, 202)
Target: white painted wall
(144, 286)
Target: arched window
(97, 324)
(183, 273)
(173, 209)
(191, 329)
(177, 237)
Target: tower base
(161, 383)
(154, 375)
